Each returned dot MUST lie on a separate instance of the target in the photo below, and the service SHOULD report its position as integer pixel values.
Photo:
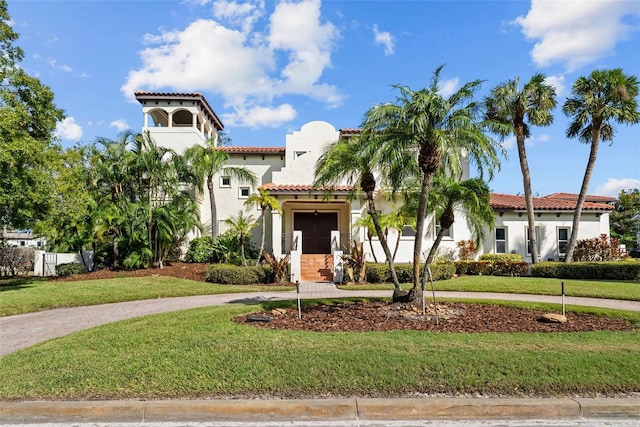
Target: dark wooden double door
(316, 230)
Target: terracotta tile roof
(294, 188)
(348, 132)
(253, 150)
(574, 197)
(511, 202)
(195, 96)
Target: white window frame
(561, 241)
(504, 241)
(527, 241)
(222, 181)
(242, 196)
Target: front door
(316, 230)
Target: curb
(348, 409)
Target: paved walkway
(24, 330)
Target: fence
(46, 262)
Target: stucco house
(314, 228)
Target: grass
(202, 353)
(624, 290)
(35, 294)
(29, 295)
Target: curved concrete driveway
(24, 330)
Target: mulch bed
(453, 318)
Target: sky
(269, 67)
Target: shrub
(200, 250)
(467, 249)
(227, 274)
(614, 270)
(473, 268)
(277, 268)
(509, 268)
(601, 248)
(14, 261)
(69, 269)
(379, 273)
(355, 265)
(501, 257)
(226, 249)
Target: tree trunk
(212, 207)
(262, 233)
(383, 239)
(528, 197)
(373, 253)
(595, 139)
(420, 219)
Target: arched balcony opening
(182, 119)
(160, 118)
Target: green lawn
(29, 295)
(202, 353)
(36, 294)
(626, 290)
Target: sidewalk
(312, 410)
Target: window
(299, 153)
(244, 192)
(529, 241)
(225, 181)
(501, 240)
(447, 233)
(563, 240)
(408, 231)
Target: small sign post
(298, 294)
(563, 298)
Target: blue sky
(268, 67)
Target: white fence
(46, 262)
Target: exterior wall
(229, 201)
(304, 147)
(548, 224)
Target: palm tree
(206, 162)
(264, 200)
(511, 106)
(440, 131)
(597, 101)
(367, 223)
(353, 161)
(241, 226)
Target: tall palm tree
(598, 101)
(206, 162)
(241, 226)
(367, 223)
(264, 200)
(441, 131)
(512, 106)
(354, 160)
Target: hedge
(501, 257)
(379, 273)
(612, 270)
(227, 274)
(492, 268)
(70, 268)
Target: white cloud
(241, 14)
(558, 83)
(54, 64)
(257, 117)
(246, 67)
(448, 87)
(613, 186)
(68, 129)
(575, 32)
(120, 125)
(385, 39)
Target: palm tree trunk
(383, 239)
(262, 233)
(373, 253)
(420, 219)
(528, 197)
(595, 139)
(395, 250)
(212, 207)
